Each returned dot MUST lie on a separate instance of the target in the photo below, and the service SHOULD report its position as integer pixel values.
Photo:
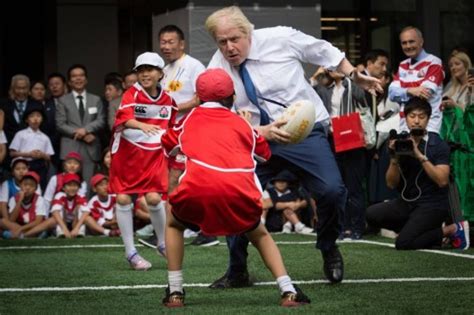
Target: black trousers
(418, 226)
(353, 167)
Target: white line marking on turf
(433, 251)
(441, 252)
(201, 285)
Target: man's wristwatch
(424, 159)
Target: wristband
(424, 159)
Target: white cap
(149, 59)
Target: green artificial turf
(96, 267)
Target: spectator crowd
(55, 138)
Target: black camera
(403, 143)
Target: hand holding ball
(301, 116)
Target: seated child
(102, 218)
(69, 210)
(11, 186)
(72, 165)
(26, 208)
(219, 192)
(284, 204)
(32, 144)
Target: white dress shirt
(274, 64)
(27, 140)
(84, 98)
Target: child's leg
(43, 226)
(125, 222)
(157, 216)
(11, 226)
(95, 227)
(291, 216)
(174, 252)
(271, 256)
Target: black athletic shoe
(174, 299)
(151, 242)
(291, 299)
(241, 280)
(205, 241)
(333, 265)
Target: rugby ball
(301, 116)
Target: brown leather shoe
(240, 280)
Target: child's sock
(158, 219)
(285, 284)
(106, 232)
(175, 281)
(125, 223)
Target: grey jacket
(68, 120)
(358, 97)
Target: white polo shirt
(274, 64)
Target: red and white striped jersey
(70, 209)
(138, 163)
(427, 72)
(102, 210)
(28, 213)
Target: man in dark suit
(79, 119)
(16, 105)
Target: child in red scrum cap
(72, 164)
(26, 208)
(102, 219)
(219, 185)
(69, 210)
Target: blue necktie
(21, 110)
(252, 93)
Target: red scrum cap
(73, 155)
(70, 177)
(214, 85)
(33, 175)
(97, 178)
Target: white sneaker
(137, 262)
(189, 233)
(82, 231)
(59, 231)
(147, 230)
(305, 230)
(286, 228)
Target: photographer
(419, 169)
